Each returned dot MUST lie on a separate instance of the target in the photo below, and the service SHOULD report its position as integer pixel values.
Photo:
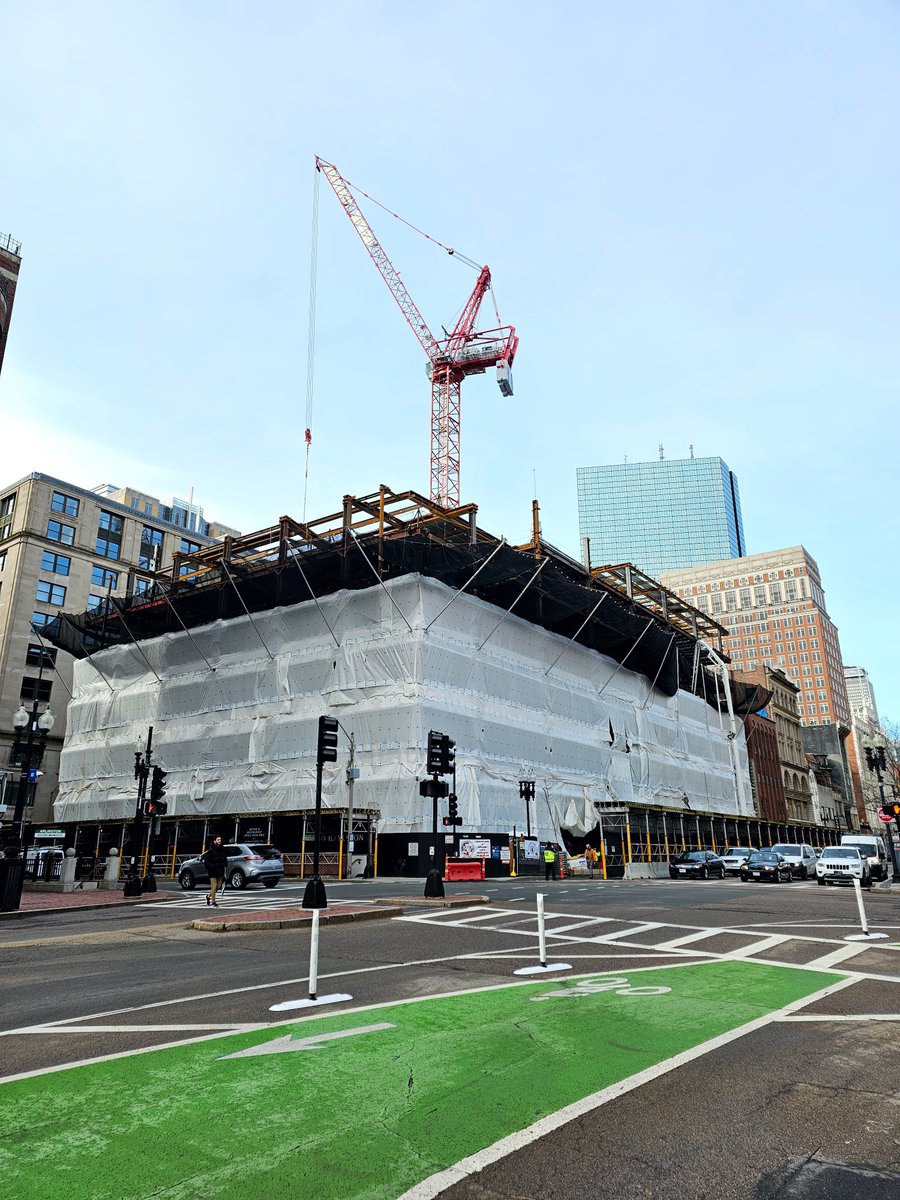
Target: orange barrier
(463, 868)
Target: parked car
(766, 865)
(800, 855)
(843, 864)
(696, 864)
(735, 856)
(247, 863)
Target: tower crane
(461, 352)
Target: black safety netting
(556, 599)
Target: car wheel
(703, 873)
(237, 880)
(804, 874)
(270, 882)
(186, 880)
(820, 882)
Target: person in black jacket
(216, 860)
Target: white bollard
(314, 1000)
(542, 948)
(865, 936)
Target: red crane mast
(464, 351)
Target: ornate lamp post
(30, 746)
(31, 731)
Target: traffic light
(875, 759)
(435, 744)
(526, 789)
(158, 787)
(448, 755)
(453, 817)
(433, 789)
(890, 811)
(327, 748)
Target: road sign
(886, 817)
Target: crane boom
(388, 271)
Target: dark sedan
(766, 866)
(696, 864)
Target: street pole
(31, 756)
(141, 774)
(434, 884)
(351, 777)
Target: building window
(101, 577)
(38, 656)
(36, 689)
(7, 508)
(141, 587)
(50, 593)
(107, 548)
(188, 547)
(94, 602)
(759, 597)
(745, 597)
(109, 535)
(59, 564)
(790, 589)
(775, 592)
(151, 548)
(2, 559)
(65, 504)
(823, 708)
(39, 620)
(57, 532)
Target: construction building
(10, 261)
(66, 547)
(400, 616)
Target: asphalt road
(804, 1106)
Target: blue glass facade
(662, 515)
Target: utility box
(12, 873)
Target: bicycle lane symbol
(621, 986)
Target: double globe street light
(28, 749)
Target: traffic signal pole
(141, 773)
(434, 884)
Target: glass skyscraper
(660, 516)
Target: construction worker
(549, 861)
(590, 857)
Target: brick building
(10, 261)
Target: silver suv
(247, 863)
(800, 855)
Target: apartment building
(66, 546)
(794, 768)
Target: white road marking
(288, 1044)
(769, 943)
(625, 933)
(234, 1027)
(686, 939)
(836, 956)
(439, 1182)
(844, 1017)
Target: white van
(872, 846)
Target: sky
(689, 211)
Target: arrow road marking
(288, 1043)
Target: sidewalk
(63, 902)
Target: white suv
(842, 864)
(801, 856)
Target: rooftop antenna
(661, 455)
(691, 448)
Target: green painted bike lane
(370, 1114)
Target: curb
(336, 918)
(81, 908)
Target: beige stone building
(794, 766)
(63, 546)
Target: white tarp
(238, 736)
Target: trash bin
(12, 872)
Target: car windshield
(785, 849)
(735, 850)
(691, 856)
(841, 852)
(763, 856)
(266, 851)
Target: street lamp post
(30, 741)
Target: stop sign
(888, 817)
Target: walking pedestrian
(590, 857)
(549, 862)
(216, 861)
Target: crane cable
(311, 335)
(453, 253)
